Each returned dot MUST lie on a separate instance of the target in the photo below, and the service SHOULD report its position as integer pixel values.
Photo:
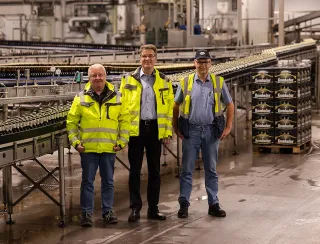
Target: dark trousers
(148, 138)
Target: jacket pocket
(113, 110)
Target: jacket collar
(136, 73)
(109, 94)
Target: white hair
(96, 66)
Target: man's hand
(166, 141)
(225, 132)
(80, 148)
(117, 148)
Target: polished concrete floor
(269, 198)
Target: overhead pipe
(239, 17)
(281, 23)
(62, 17)
(85, 18)
(89, 3)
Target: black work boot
(86, 220)
(134, 216)
(110, 217)
(215, 210)
(155, 214)
(183, 211)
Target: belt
(147, 122)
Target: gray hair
(98, 66)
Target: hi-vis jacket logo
(285, 123)
(262, 77)
(285, 92)
(285, 108)
(262, 138)
(262, 93)
(285, 77)
(262, 107)
(285, 138)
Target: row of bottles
(35, 119)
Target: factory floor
(269, 198)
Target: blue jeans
(200, 137)
(90, 163)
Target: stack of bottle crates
(281, 106)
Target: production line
(34, 134)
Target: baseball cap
(202, 54)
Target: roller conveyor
(67, 45)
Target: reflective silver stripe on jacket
(162, 116)
(124, 140)
(99, 140)
(90, 130)
(134, 113)
(82, 101)
(74, 139)
(124, 132)
(136, 123)
(73, 131)
(119, 95)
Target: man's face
(98, 78)
(202, 65)
(148, 59)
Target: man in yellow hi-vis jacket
(98, 125)
(149, 96)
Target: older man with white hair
(98, 125)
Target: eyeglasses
(97, 75)
(203, 62)
(151, 56)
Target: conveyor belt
(37, 71)
(69, 45)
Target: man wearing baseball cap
(201, 99)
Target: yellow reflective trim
(134, 112)
(71, 131)
(124, 132)
(99, 140)
(162, 126)
(135, 123)
(90, 130)
(161, 116)
(124, 140)
(74, 139)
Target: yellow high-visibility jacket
(186, 87)
(131, 87)
(97, 128)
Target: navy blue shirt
(202, 100)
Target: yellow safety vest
(97, 128)
(186, 87)
(131, 87)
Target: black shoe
(215, 210)
(134, 216)
(183, 211)
(156, 215)
(86, 220)
(110, 217)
